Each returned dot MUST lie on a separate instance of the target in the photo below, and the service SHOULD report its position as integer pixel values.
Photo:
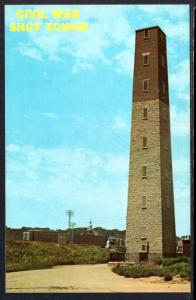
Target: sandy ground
(86, 278)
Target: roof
(151, 28)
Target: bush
(168, 277)
(158, 260)
(171, 261)
(38, 255)
(136, 271)
(168, 261)
(168, 271)
(178, 267)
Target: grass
(167, 268)
(22, 255)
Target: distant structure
(90, 227)
(114, 244)
(150, 229)
(186, 245)
(69, 213)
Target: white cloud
(124, 62)
(117, 164)
(180, 122)
(182, 194)
(184, 96)
(173, 28)
(50, 115)
(82, 179)
(108, 28)
(28, 50)
(85, 48)
(179, 30)
(13, 148)
(120, 123)
(68, 177)
(182, 207)
(177, 11)
(182, 167)
(80, 65)
(179, 80)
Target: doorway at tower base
(145, 257)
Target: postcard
(97, 153)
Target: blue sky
(68, 116)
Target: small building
(179, 248)
(98, 240)
(186, 246)
(41, 235)
(14, 234)
(114, 242)
(62, 238)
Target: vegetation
(26, 255)
(171, 260)
(79, 230)
(163, 267)
(110, 232)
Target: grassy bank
(38, 255)
(163, 267)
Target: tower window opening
(144, 144)
(146, 34)
(144, 172)
(145, 113)
(146, 59)
(145, 85)
(143, 232)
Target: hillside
(22, 255)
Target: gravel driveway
(86, 278)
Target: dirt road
(86, 278)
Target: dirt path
(86, 278)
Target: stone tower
(150, 227)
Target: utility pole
(72, 231)
(69, 213)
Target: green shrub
(158, 260)
(171, 261)
(178, 267)
(183, 274)
(168, 261)
(136, 271)
(37, 255)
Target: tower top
(150, 68)
(152, 27)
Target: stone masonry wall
(168, 217)
(151, 216)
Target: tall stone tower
(150, 227)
